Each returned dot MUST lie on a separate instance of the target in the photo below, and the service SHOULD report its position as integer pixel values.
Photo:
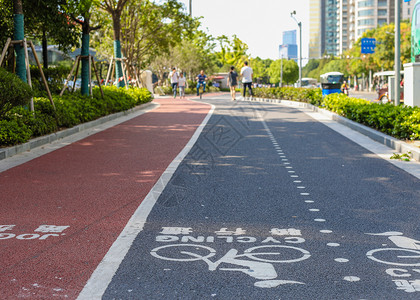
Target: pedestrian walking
(247, 75)
(174, 80)
(182, 81)
(232, 82)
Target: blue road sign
(368, 45)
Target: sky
(258, 23)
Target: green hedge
(19, 124)
(402, 122)
(55, 76)
(313, 96)
(13, 92)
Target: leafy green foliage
(290, 71)
(312, 96)
(233, 52)
(18, 125)
(55, 77)
(352, 62)
(6, 20)
(402, 122)
(13, 92)
(403, 157)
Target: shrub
(11, 133)
(402, 122)
(55, 76)
(19, 125)
(13, 92)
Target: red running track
(93, 186)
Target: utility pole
(397, 59)
(300, 46)
(190, 8)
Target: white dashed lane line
(300, 186)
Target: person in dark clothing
(232, 82)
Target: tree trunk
(116, 20)
(85, 60)
(19, 34)
(44, 49)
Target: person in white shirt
(174, 80)
(181, 81)
(247, 75)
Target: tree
(336, 65)
(150, 30)
(258, 68)
(19, 34)
(290, 71)
(45, 19)
(80, 12)
(115, 8)
(6, 21)
(233, 52)
(383, 58)
(310, 66)
(193, 54)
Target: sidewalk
(62, 211)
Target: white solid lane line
(102, 276)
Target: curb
(47, 139)
(375, 135)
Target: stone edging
(375, 135)
(46, 139)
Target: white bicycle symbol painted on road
(408, 253)
(259, 263)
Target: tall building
(323, 32)
(332, 34)
(336, 24)
(373, 13)
(289, 37)
(288, 51)
(407, 10)
(346, 28)
(289, 48)
(316, 28)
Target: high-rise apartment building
(332, 34)
(316, 28)
(336, 24)
(373, 13)
(346, 27)
(323, 32)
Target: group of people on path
(179, 81)
(247, 76)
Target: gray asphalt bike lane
(270, 204)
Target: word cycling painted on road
(257, 261)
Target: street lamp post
(281, 70)
(300, 46)
(397, 59)
(190, 8)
